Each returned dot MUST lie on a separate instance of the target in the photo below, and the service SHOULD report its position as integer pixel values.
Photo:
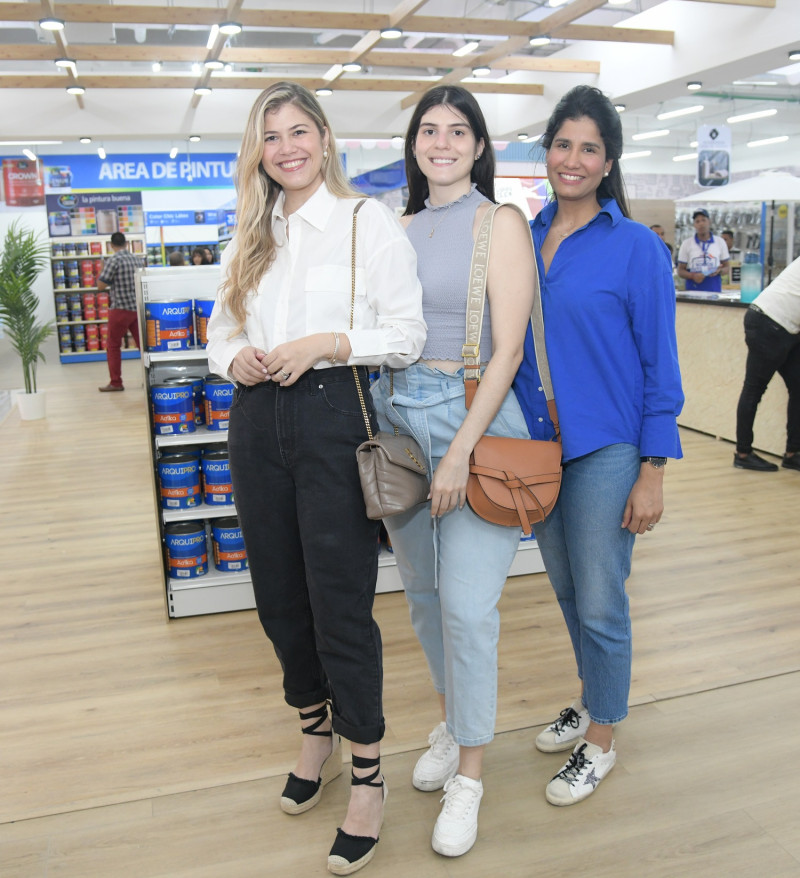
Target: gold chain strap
(352, 311)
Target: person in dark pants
(772, 335)
(280, 329)
(119, 278)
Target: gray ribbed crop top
(443, 263)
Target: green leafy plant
(23, 258)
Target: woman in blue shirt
(609, 315)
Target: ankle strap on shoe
(320, 714)
(369, 779)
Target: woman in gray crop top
(452, 563)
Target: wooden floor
(135, 746)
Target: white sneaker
(579, 778)
(562, 734)
(438, 764)
(457, 826)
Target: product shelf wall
(96, 250)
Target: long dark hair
(460, 100)
(586, 100)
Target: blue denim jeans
(453, 568)
(587, 555)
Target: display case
(188, 591)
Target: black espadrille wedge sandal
(352, 852)
(299, 794)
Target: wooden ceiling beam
(234, 83)
(577, 32)
(288, 57)
(346, 21)
(398, 58)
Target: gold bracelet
(332, 357)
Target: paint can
(196, 383)
(179, 481)
(173, 409)
(202, 312)
(169, 325)
(227, 544)
(217, 485)
(187, 555)
(218, 400)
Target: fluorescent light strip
(687, 156)
(746, 117)
(466, 49)
(755, 82)
(636, 155)
(685, 111)
(212, 37)
(333, 72)
(101, 152)
(647, 135)
(173, 152)
(29, 153)
(782, 139)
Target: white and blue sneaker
(579, 778)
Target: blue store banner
(90, 173)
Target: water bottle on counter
(751, 277)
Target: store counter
(712, 356)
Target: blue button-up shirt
(609, 316)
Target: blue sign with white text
(90, 173)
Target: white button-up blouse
(308, 287)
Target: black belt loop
(754, 307)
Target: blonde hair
(257, 193)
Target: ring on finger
(651, 525)
(285, 375)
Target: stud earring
(325, 155)
(478, 156)
(606, 174)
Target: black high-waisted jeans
(770, 349)
(313, 553)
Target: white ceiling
(126, 105)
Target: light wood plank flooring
(134, 746)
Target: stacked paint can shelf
(180, 405)
(186, 545)
(188, 477)
(173, 325)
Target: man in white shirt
(772, 334)
(703, 257)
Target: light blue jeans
(587, 555)
(453, 568)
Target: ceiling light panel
(684, 111)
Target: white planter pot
(31, 405)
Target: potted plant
(23, 258)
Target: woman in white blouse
(280, 330)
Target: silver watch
(657, 462)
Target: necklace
(436, 225)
